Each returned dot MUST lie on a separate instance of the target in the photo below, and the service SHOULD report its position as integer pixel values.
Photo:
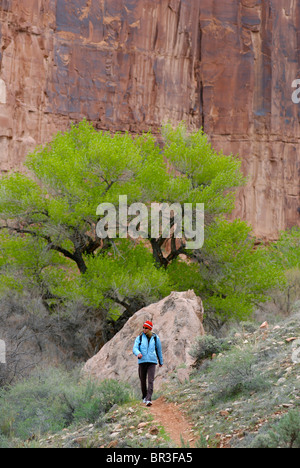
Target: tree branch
(76, 257)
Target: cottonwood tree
(48, 223)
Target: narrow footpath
(173, 420)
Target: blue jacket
(147, 349)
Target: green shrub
(4, 442)
(207, 345)
(236, 373)
(284, 434)
(98, 398)
(52, 400)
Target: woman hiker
(147, 348)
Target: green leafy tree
(285, 254)
(48, 223)
(27, 264)
(286, 251)
(237, 275)
(54, 211)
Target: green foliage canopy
(48, 223)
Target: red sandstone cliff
(131, 64)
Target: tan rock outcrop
(177, 320)
(130, 65)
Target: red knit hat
(148, 324)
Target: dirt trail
(173, 420)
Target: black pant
(147, 369)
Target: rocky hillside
(246, 394)
(237, 397)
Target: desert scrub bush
(236, 372)
(5, 442)
(96, 399)
(207, 345)
(283, 434)
(53, 399)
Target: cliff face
(130, 65)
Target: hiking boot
(145, 400)
(148, 403)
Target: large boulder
(177, 320)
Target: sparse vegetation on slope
(238, 397)
(243, 395)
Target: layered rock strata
(227, 66)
